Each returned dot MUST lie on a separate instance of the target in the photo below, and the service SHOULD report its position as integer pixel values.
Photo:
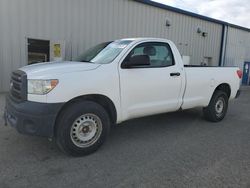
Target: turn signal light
(239, 73)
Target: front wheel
(82, 128)
(217, 108)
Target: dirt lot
(178, 149)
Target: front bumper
(32, 118)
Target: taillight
(239, 73)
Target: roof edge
(181, 11)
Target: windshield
(103, 53)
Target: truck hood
(40, 70)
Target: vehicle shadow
(157, 125)
(139, 128)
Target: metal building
(43, 30)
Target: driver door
(150, 89)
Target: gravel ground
(178, 149)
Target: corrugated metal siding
(83, 23)
(238, 47)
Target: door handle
(175, 74)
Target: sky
(231, 11)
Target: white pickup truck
(77, 102)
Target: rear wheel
(82, 128)
(217, 108)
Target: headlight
(41, 87)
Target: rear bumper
(238, 93)
(32, 118)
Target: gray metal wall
(237, 49)
(83, 23)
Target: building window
(38, 51)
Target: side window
(160, 54)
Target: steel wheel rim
(86, 130)
(219, 106)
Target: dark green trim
(221, 45)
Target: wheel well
(224, 87)
(102, 100)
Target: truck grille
(18, 85)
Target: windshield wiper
(86, 61)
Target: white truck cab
(76, 102)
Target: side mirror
(138, 60)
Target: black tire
(216, 111)
(93, 114)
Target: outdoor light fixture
(204, 34)
(199, 30)
(168, 23)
